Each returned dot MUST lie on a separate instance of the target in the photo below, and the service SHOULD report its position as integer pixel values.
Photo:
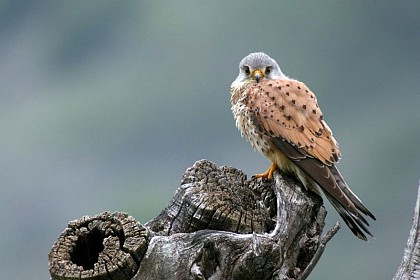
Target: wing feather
(289, 110)
(341, 197)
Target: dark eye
(268, 69)
(246, 70)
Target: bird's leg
(267, 174)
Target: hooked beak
(257, 75)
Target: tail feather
(353, 197)
(329, 179)
(356, 224)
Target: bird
(281, 119)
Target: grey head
(257, 66)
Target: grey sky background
(104, 104)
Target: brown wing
(347, 204)
(289, 110)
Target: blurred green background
(104, 104)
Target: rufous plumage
(281, 119)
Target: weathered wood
(218, 225)
(105, 246)
(410, 265)
(217, 198)
(221, 226)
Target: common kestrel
(281, 119)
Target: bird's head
(258, 66)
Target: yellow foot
(267, 174)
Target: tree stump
(106, 246)
(218, 225)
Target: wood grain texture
(218, 225)
(104, 246)
(410, 264)
(237, 244)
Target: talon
(267, 174)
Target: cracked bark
(410, 264)
(218, 225)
